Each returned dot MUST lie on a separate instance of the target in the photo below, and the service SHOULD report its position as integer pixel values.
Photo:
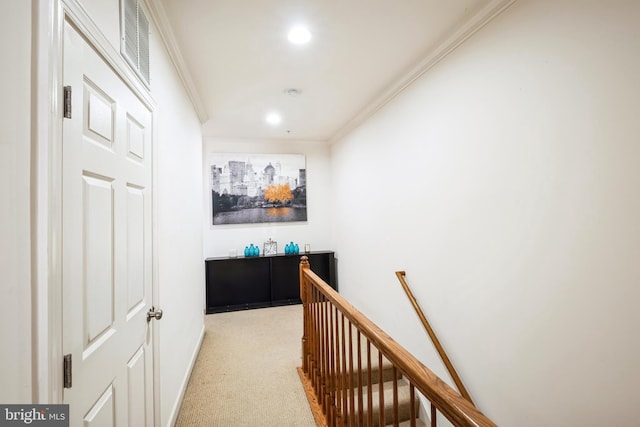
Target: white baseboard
(173, 416)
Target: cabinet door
(237, 283)
(285, 280)
(285, 275)
(323, 264)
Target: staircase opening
(357, 375)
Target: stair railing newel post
(304, 296)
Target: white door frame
(48, 27)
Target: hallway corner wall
(505, 182)
(15, 215)
(180, 259)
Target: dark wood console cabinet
(264, 281)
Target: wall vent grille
(135, 37)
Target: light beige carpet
(245, 374)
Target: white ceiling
(238, 62)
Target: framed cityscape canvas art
(257, 188)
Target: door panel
(106, 243)
(102, 412)
(136, 370)
(97, 245)
(135, 248)
(135, 139)
(99, 112)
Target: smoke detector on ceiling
(293, 92)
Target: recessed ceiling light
(274, 119)
(299, 35)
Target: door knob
(153, 313)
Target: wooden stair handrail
(447, 400)
(436, 342)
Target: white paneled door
(106, 243)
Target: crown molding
(159, 17)
(479, 20)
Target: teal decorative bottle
(246, 251)
(296, 249)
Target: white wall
(220, 239)
(15, 258)
(181, 266)
(179, 192)
(505, 181)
